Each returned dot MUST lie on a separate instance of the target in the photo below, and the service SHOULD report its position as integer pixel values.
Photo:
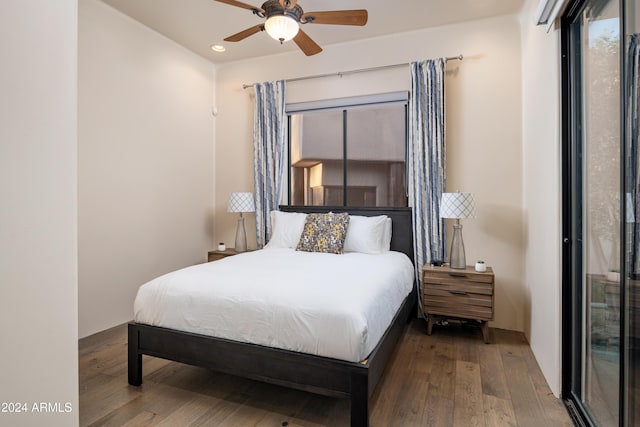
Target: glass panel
(317, 155)
(376, 156)
(600, 150)
(353, 156)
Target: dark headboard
(402, 235)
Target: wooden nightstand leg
(430, 322)
(485, 331)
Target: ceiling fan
(283, 19)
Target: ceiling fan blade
(304, 42)
(337, 17)
(240, 4)
(245, 33)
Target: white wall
(145, 157)
(38, 146)
(483, 124)
(542, 198)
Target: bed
(350, 376)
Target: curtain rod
(343, 73)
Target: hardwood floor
(450, 378)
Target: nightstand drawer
(435, 296)
(467, 305)
(457, 286)
(218, 255)
(449, 277)
(215, 257)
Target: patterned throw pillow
(324, 233)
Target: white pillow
(368, 234)
(286, 228)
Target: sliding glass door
(592, 229)
(631, 291)
(601, 211)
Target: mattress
(336, 306)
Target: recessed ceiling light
(217, 48)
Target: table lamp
(457, 206)
(241, 202)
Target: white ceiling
(197, 24)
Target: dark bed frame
(322, 375)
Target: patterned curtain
(426, 160)
(269, 135)
(633, 175)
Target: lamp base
(241, 236)
(457, 258)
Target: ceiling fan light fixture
(281, 27)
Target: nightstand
(217, 255)
(460, 294)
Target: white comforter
(329, 305)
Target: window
(348, 152)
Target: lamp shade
(241, 202)
(457, 205)
(281, 27)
